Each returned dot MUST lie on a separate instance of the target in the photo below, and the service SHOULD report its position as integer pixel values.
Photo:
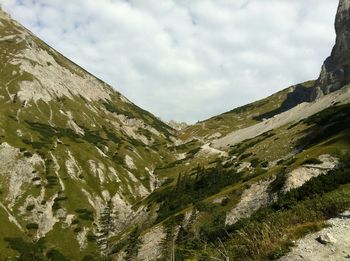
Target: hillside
(250, 114)
(70, 146)
(87, 175)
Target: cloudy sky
(187, 60)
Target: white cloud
(187, 60)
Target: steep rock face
(335, 71)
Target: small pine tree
(133, 245)
(106, 226)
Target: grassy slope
(238, 118)
(42, 125)
(283, 145)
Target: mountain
(87, 175)
(335, 70)
(70, 148)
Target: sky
(187, 60)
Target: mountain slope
(70, 146)
(250, 114)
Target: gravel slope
(337, 248)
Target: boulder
(326, 238)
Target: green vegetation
(27, 250)
(114, 109)
(316, 186)
(244, 116)
(138, 113)
(51, 181)
(132, 244)
(273, 228)
(313, 161)
(49, 134)
(192, 153)
(241, 148)
(326, 124)
(55, 255)
(192, 188)
(85, 214)
(30, 207)
(279, 182)
(34, 251)
(32, 226)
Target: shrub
(32, 226)
(51, 181)
(193, 188)
(75, 221)
(60, 198)
(244, 156)
(214, 228)
(77, 229)
(312, 161)
(91, 237)
(27, 250)
(314, 187)
(30, 207)
(27, 154)
(85, 214)
(89, 258)
(224, 202)
(264, 164)
(56, 205)
(278, 183)
(255, 162)
(35, 178)
(55, 255)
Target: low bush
(85, 214)
(312, 161)
(32, 226)
(30, 207)
(193, 188)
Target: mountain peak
(335, 71)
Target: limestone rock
(326, 239)
(177, 125)
(335, 71)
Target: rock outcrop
(177, 125)
(335, 71)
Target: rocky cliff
(335, 71)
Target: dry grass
(269, 235)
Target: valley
(85, 174)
